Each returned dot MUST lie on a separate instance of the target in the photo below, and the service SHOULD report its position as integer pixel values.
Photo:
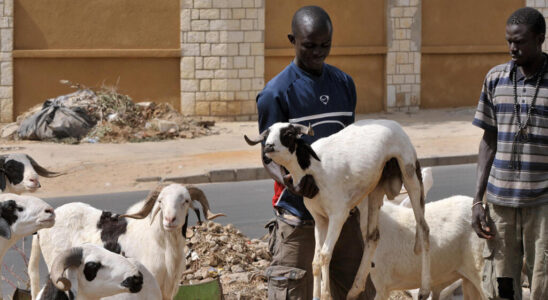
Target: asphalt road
(246, 204)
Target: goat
(157, 242)
(98, 272)
(21, 216)
(365, 160)
(19, 172)
(456, 250)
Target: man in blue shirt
(308, 92)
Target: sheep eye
(19, 208)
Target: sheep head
(173, 201)
(282, 140)
(105, 273)
(23, 215)
(19, 172)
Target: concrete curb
(245, 174)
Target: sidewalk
(441, 137)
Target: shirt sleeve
(270, 109)
(353, 97)
(485, 116)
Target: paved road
(246, 204)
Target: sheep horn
(41, 170)
(149, 203)
(67, 259)
(304, 129)
(198, 194)
(254, 141)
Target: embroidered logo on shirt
(324, 99)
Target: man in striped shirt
(308, 92)
(513, 163)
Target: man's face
(312, 46)
(524, 45)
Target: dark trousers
(290, 275)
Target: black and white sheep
(154, 235)
(19, 173)
(94, 271)
(21, 216)
(355, 167)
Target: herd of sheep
(94, 254)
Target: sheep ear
(156, 211)
(2, 174)
(5, 230)
(304, 154)
(185, 226)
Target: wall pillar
(403, 58)
(6, 61)
(222, 64)
(542, 6)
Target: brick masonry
(403, 58)
(6, 61)
(222, 64)
(542, 6)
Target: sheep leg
(422, 239)
(471, 290)
(334, 227)
(471, 283)
(320, 230)
(34, 267)
(370, 236)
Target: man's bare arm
(486, 155)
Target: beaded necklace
(522, 135)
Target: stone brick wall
(403, 58)
(542, 6)
(6, 62)
(222, 64)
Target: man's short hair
(530, 17)
(317, 14)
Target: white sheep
(455, 249)
(157, 241)
(19, 173)
(21, 216)
(365, 160)
(95, 271)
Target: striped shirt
(326, 102)
(527, 184)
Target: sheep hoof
(424, 294)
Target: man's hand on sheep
(480, 217)
(307, 186)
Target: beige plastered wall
(209, 58)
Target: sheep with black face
(355, 167)
(21, 216)
(19, 173)
(95, 271)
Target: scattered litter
(103, 116)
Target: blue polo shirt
(326, 102)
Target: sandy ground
(103, 168)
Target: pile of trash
(224, 252)
(103, 116)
